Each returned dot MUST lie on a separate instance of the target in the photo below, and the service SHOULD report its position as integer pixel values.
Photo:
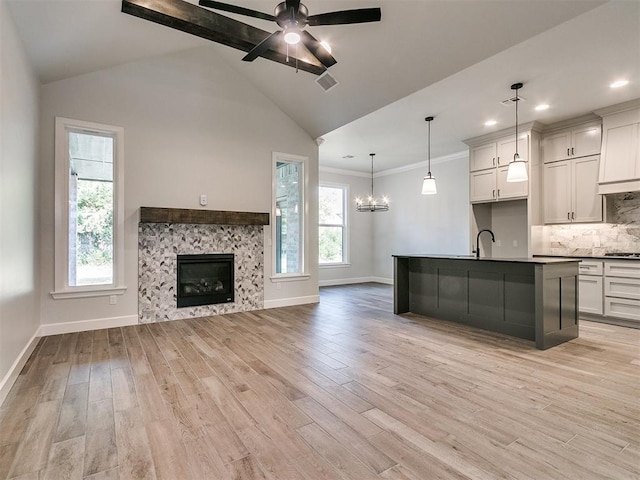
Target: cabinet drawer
(622, 308)
(622, 287)
(590, 267)
(622, 268)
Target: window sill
(334, 265)
(83, 292)
(290, 277)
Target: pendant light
(429, 183)
(517, 167)
(372, 204)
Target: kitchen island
(531, 298)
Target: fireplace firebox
(205, 279)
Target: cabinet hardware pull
(573, 215)
(568, 152)
(571, 150)
(498, 193)
(493, 194)
(494, 161)
(568, 216)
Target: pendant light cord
(516, 87)
(372, 154)
(429, 147)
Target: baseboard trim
(12, 375)
(289, 302)
(86, 325)
(345, 281)
(386, 281)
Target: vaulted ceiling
(454, 59)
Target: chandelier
(372, 205)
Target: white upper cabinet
(488, 165)
(576, 142)
(620, 165)
(570, 191)
(483, 157)
(507, 149)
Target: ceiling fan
(292, 17)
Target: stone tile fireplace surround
(165, 233)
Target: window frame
(62, 289)
(345, 225)
(303, 274)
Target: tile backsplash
(621, 232)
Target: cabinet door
(510, 190)
(587, 204)
(507, 148)
(586, 141)
(557, 147)
(483, 157)
(482, 186)
(557, 192)
(590, 297)
(621, 147)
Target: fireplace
(205, 279)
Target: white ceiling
(453, 59)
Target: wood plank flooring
(340, 390)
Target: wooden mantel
(215, 217)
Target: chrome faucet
(493, 239)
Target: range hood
(620, 156)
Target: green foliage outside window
(94, 222)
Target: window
(89, 209)
(289, 207)
(332, 217)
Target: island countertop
(539, 260)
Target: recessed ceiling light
(541, 107)
(490, 123)
(619, 83)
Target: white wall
(19, 296)
(417, 223)
(192, 125)
(360, 232)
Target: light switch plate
(203, 200)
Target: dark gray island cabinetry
(531, 298)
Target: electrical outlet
(278, 286)
(113, 299)
(515, 243)
(498, 243)
(203, 200)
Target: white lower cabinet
(590, 296)
(622, 289)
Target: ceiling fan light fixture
(292, 35)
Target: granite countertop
(537, 259)
(594, 257)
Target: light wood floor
(339, 390)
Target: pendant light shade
(517, 171)
(429, 183)
(429, 186)
(372, 204)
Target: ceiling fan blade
(235, 9)
(317, 50)
(362, 15)
(263, 46)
